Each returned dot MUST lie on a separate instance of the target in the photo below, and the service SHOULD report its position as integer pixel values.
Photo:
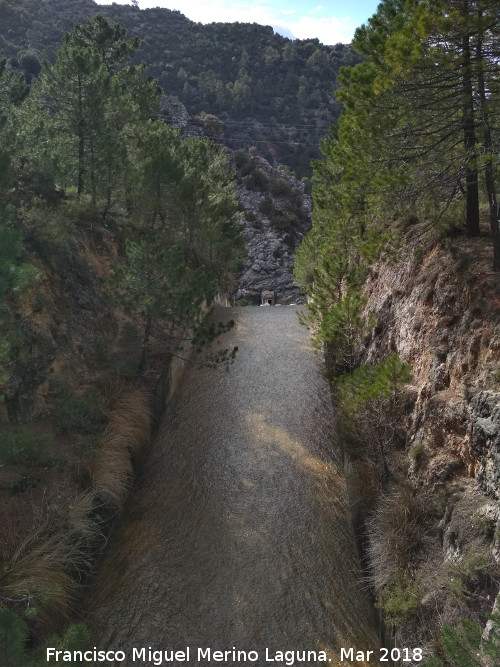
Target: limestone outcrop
(277, 216)
(438, 307)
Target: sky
(331, 22)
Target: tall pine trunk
(469, 130)
(145, 342)
(81, 138)
(92, 173)
(489, 170)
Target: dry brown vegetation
(123, 443)
(37, 582)
(43, 578)
(396, 531)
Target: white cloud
(327, 30)
(284, 32)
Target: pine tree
(467, 645)
(16, 274)
(156, 285)
(185, 193)
(94, 99)
(422, 94)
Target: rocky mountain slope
(277, 215)
(268, 91)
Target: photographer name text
(233, 655)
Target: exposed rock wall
(277, 215)
(441, 314)
(438, 307)
(271, 250)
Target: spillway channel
(238, 532)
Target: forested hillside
(269, 91)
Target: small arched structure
(268, 298)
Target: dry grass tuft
(124, 441)
(396, 531)
(37, 581)
(112, 477)
(85, 526)
(128, 425)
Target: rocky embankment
(439, 309)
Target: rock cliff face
(441, 315)
(276, 219)
(438, 308)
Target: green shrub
(280, 187)
(296, 197)
(266, 206)
(23, 445)
(399, 600)
(73, 638)
(368, 383)
(464, 645)
(418, 253)
(441, 499)
(13, 637)
(371, 405)
(484, 526)
(16, 276)
(284, 221)
(51, 233)
(257, 179)
(463, 576)
(242, 161)
(342, 330)
(416, 452)
(14, 648)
